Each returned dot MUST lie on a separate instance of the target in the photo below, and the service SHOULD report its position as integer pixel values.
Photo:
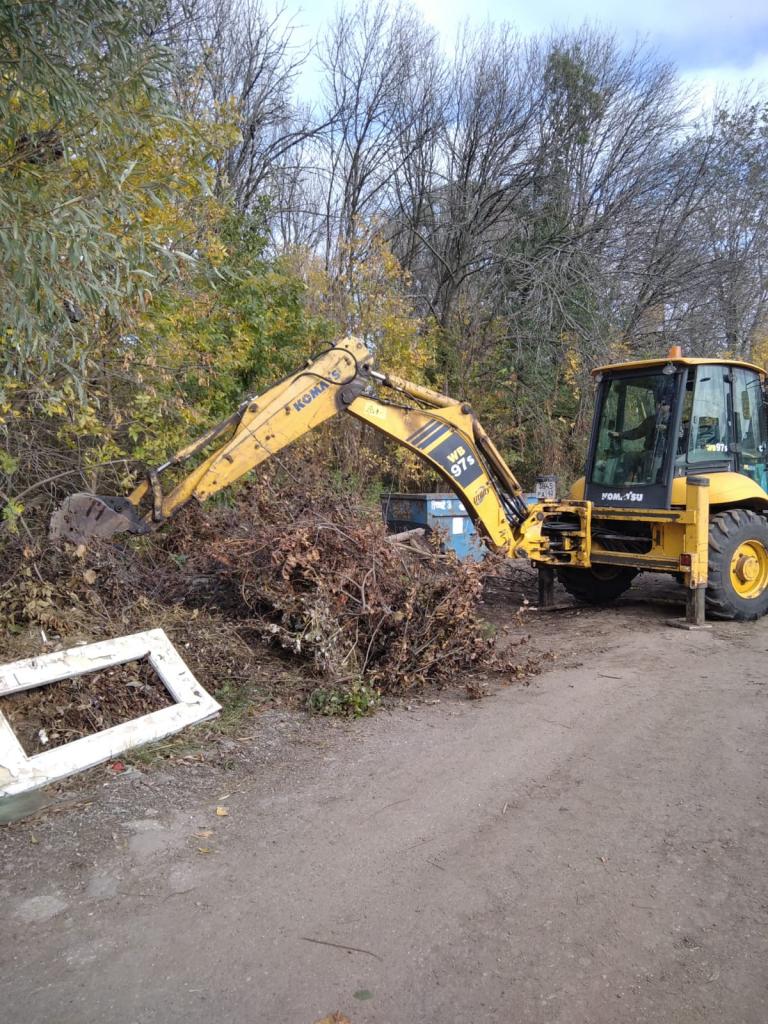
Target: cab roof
(641, 364)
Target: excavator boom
(645, 508)
(443, 432)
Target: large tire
(598, 585)
(737, 587)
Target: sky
(716, 44)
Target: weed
(353, 701)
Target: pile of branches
(294, 562)
(324, 580)
(54, 596)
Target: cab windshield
(632, 431)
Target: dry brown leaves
(49, 716)
(324, 581)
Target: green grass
(237, 699)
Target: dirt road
(590, 848)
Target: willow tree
(106, 200)
(77, 97)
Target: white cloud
(716, 45)
(652, 16)
(707, 83)
(693, 33)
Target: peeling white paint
(20, 773)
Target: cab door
(706, 436)
(750, 438)
(631, 454)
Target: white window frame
(20, 773)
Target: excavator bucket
(82, 517)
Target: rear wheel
(601, 584)
(738, 565)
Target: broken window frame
(192, 704)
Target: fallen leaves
(48, 716)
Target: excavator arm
(443, 432)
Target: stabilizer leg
(546, 586)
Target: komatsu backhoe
(675, 478)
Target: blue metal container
(439, 512)
(443, 513)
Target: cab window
(709, 430)
(750, 425)
(632, 429)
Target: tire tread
(727, 530)
(589, 589)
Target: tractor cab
(664, 420)
(676, 481)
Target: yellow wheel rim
(749, 569)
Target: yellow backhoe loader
(675, 481)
